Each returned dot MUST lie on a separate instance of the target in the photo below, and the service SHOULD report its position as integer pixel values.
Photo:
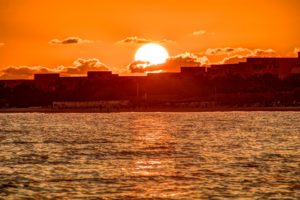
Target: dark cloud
(70, 40)
(138, 40)
(80, 67)
(173, 64)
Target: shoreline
(154, 109)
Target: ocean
(205, 155)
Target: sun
(151, 53)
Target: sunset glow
(34, 40)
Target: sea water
(205, 155)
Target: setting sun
(152, 53)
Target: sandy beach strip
(150, 109)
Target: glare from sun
(151, 53)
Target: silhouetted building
(72, 83)
(193, 71)
(103, 75)
(14, 83)
(47, 82)
(278, 66)
(258, 80)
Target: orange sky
(29, 26)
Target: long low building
(90, 104)
(278, 66)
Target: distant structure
(103, 75)
(46, 81)
(273, 80)
(278, 66)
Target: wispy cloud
(199, 32)
(139, 40)
(1, 44)
(70, 40)
(134, 40)
(225, 50)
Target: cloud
(226, 55)
(236, 58)
(226, 50)
(134, 40)
(1, 44)
(199, 32)
(23, 72)
(70, 40)
(233, 59)
(138, 40)
(173, 64)
(80, 67)
(240, 51)
(230, 55)
(297, 50)
(165, 41)
(264, 53)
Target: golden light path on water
(154, 141)
(217, 155)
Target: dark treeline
(232, 90)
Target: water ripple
(219, 155)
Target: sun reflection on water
(154, 137)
